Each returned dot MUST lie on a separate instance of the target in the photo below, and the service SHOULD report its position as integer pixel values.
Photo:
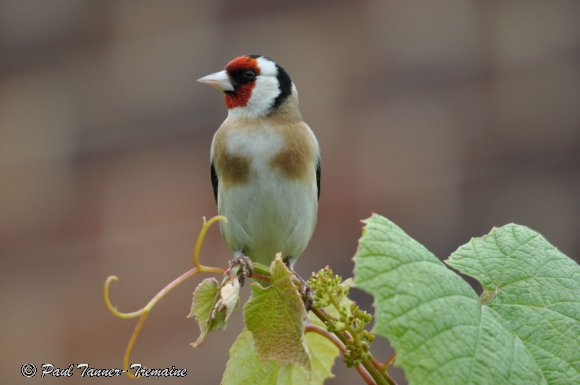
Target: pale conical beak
(220, 81)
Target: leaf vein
(431, 300)
(510, 255)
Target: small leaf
(246, 368)
(229, 299)
(212, 305)
(203, 300)
(440, 330)
(275, 316)
(534, 291)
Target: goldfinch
(265, 163)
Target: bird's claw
(306, 294)
(242, 266)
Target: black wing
(317, 178)
(214, 182)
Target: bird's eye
(249, 75)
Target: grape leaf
(212, 305)
(246, 368)
(441, 331)
(534, 290)
(275, 316)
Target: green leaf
(275, 315)
(440, 330)
(534, 290)
(201, 305)
(246, 368)
(213, 305)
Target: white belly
(268, 215)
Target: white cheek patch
(267, 67)
(264, 93)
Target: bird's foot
(305, 293)
(241, 266)
(305, 290)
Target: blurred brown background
(448, 117)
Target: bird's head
(253, 85)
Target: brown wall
(448, 117)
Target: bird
(265, 164)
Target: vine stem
(143, 313)
(386, 364)
(206, 225)
(372, 372)
(380, 377)
(132, 340)
(338, 343)
(326, 334)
